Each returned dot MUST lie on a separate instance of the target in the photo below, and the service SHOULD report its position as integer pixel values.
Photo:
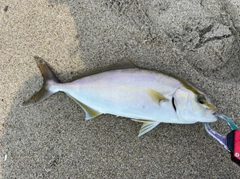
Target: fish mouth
(215, 115)
(213, 110)
(211, 116)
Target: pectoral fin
(147, 126)
(89, 112)
(156, 96)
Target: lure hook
(221, 139)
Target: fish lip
(214, 113)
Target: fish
(123, 89)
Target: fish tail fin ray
(49, 80)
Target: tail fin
(49, 80)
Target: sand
(195, 40)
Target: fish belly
(124, 93)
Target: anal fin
(147, 126)
(89, 112)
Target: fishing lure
(231, 142)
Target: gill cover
(192, 107)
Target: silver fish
(125, 90)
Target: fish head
(193, 106)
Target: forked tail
(49, 80)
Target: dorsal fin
(123, 64)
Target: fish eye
(201, 99)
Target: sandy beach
(198, 41)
